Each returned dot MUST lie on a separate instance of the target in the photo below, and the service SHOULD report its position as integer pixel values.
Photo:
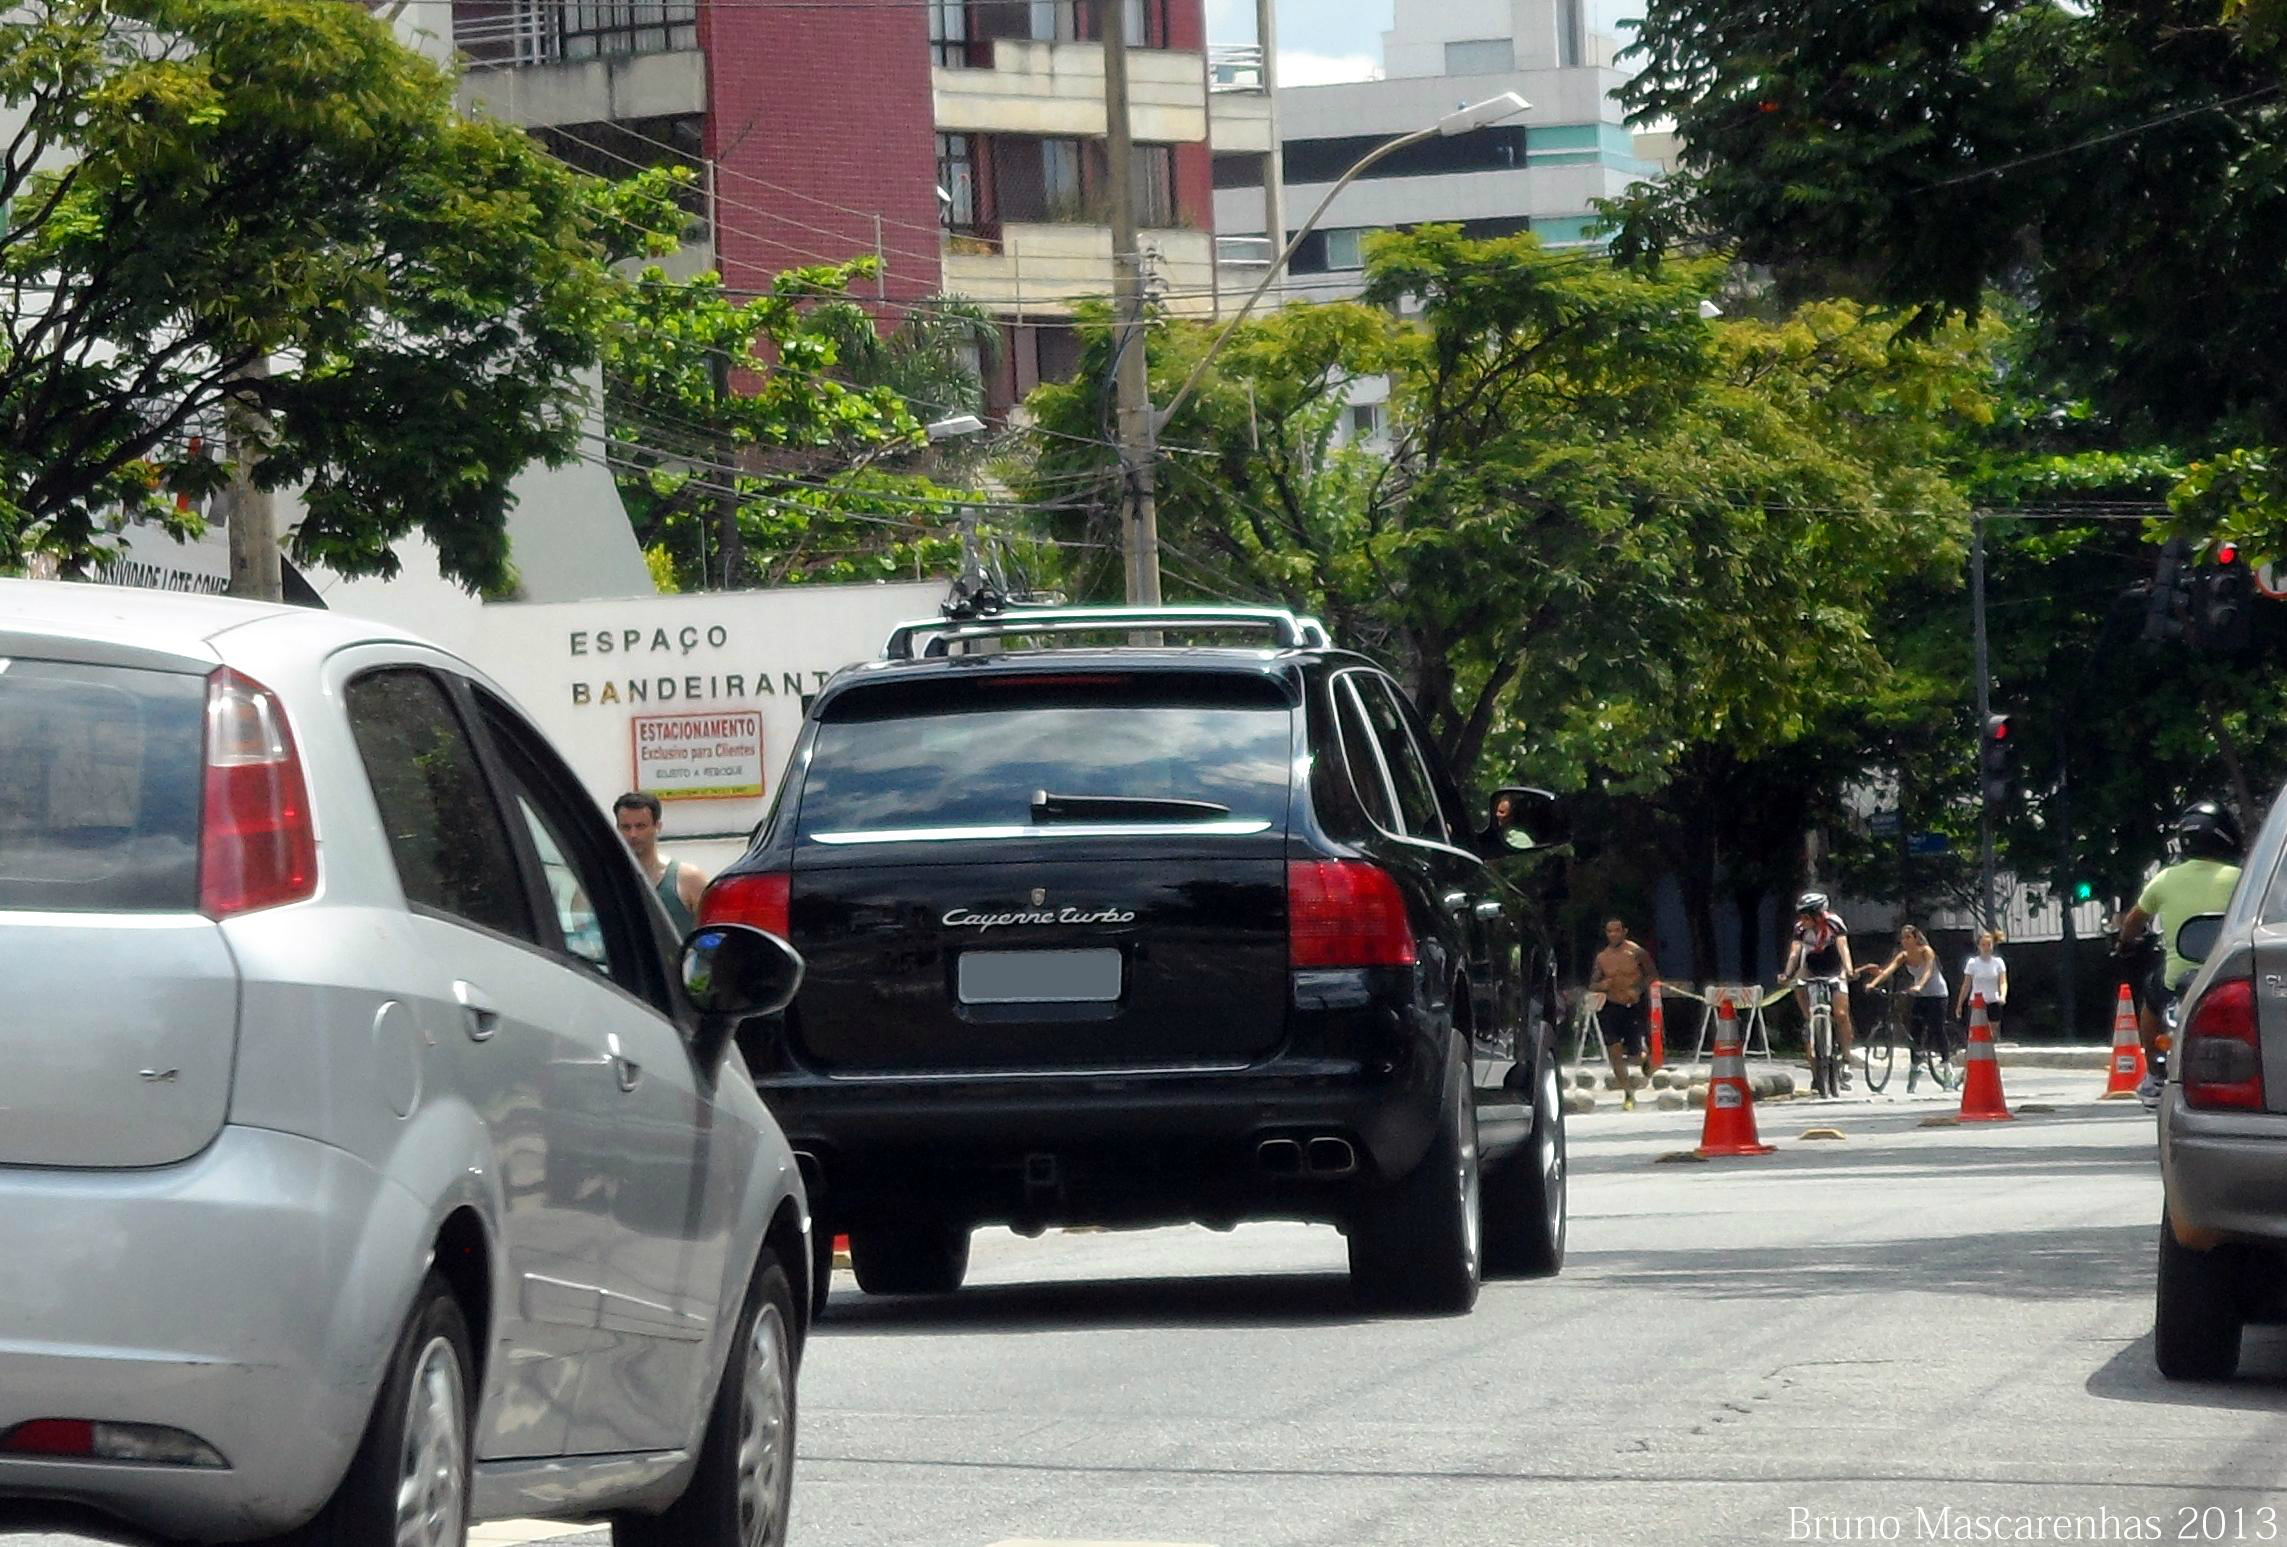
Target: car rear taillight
(1345, 913)
(2223, 1058)
(78, 1439)
(257, 847)
(761, 901)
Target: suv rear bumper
(217, 1297)
(1128, 1147)
(2225, 1172)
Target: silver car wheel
(1472, 1214)
(432, 1478)
(765, 1420)
(1553, 1193)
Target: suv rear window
(961, 754)
(101, 778)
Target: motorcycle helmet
(2208, 829)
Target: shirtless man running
(1623, 975)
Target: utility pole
(1138, 430)
(1984, 707)
(731, 537)
(252, 530)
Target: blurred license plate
(1039, 977)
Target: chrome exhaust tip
(1331, 1157)
(1279, 1157)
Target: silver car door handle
(629, 1071)
(478, 1013)
(1488, 910)
(1455, 901)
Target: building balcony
(546, 63)
(1238, 67)
(1057, 89)
(1042, 270)
(1242, 122)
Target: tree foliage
(2122, 165)
(196, 186)
(1609, 530)
(778, 439)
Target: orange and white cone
(2127, 1065)
(1659, 1029)
(1730, 1125)
(1981, 1098)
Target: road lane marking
(514, 1533)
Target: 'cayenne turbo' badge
(969, 918)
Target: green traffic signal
(2084, 891)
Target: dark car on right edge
(1125, 934)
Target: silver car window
(445, 833)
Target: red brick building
(963, 141)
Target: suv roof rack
(1292, 632)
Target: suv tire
(1415, 1244)
(1525, 1196)
(2198, 1315)
(418, 1434)
(741, 1490)
(910, 1259)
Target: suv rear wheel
(1525, 1195)
(2198, 1314)
(1415, 1244)
(910, 1259)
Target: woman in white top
(1986, 975)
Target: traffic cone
(1659, 1029)
(2127, 1052)
(1981, 1098)
(1730, 1125)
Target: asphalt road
(1910, 1334)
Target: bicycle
(1826, 1067)
(1893, 1026)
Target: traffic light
(2169, 613)
(2084, 891)
(2227, 595)
(1997, 758)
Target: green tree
(200, 185)
(2123, 166)
(1609, 528)
(778, 439)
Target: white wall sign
(713, 755)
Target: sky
(1319, 40)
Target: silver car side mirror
(2196, 937)
(732, 972)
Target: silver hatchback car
(2223, 1126)
(370, 1161)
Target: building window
(1058, 352)
(1342, 248)
(1494, 149)
(957, 182)
(594, 28)
(1571, 45)
(1154, 178)
(1481, 56)
(949, 33)
(1073, 21)
(1039, 180)
(1365, 421)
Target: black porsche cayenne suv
(1118, 934)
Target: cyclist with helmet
(2201, 881)
(1821, 949)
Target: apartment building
(1541, 172)
(961, 141)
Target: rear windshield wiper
(1047, 807)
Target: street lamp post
(1462, 120)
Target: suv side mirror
(1510, 806)
(2196, 937)
(731, 972)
